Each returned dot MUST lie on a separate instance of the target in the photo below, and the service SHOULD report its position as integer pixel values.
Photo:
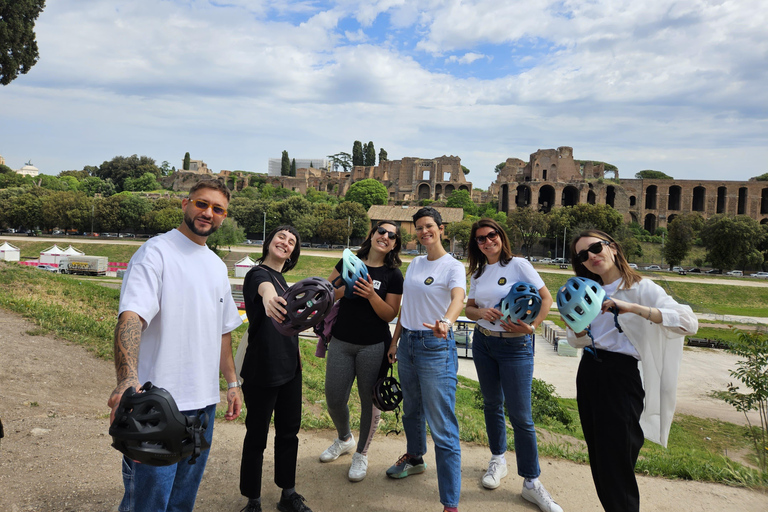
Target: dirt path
(56, 455)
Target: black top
(357, 322)
(271, 359)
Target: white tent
(9, 253)
(71, 251)
(51, 255)
(243, 266)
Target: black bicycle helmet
(387, 394)
(149, 428)
(307, 303)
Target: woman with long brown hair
(503, 352)
(626, 384)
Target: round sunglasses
(381, 230)
(482, 238)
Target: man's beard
(190, 222)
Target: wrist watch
(446, 322)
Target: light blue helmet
(579, 302)
(523, 302)
(352, 268)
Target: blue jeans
(505, 372)
(165, 488)
(427, 367)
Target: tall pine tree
(285, 165)
(186, 161)
(293, 167)
(370, 154)
(357, 153)
(382, 155)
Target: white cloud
(467, 58)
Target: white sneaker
(541, 497)
(359, 467)
(497, 469)
(338, 447)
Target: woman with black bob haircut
(271, 375)
(626, 386)
(503, 351)
(433, 297)
(358, 343)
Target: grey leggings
(346, 361)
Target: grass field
(84, 312)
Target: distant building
(197, 166)
(276, 164)
(2, 160)
(28, 170)
(552, 178)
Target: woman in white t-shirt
(433, 296)
(503, 355)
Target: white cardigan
(661, 350)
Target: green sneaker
(406, 466)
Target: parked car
(763, 275)
(652, 267)
(676, 269)
(735, 273)
(714, 271)
(694, 270)
(49, 268)
(303, 244)
(323, 246)
(633, 265)
(411, 252)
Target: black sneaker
(252, 506)
(293, 503)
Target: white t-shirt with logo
(490, 288)
(427, 290)
(181, 290)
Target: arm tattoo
(127, 341)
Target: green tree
(649, 174)
(370, 155)
(460, 232)
(162, 220)
(291, 209)
(762, 177)
(333, 231)
(367, 192)
(25, 210)
(307, 226)
(285, 165)
(499, 167)
(584, 216)
(343, 160)
(293, 167)
(18, 46)
(752, 371)
(121, 168)
(681, 234)
(358, 158)
(165, 168)
(66, 210)
(527, 227)
(186, 161)
(145, 183)
(227, 234)
(465, 170)
(382, 155)
(4, 169)
(462, 199)
(732, 242)
(355, 214)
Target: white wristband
(231, 385)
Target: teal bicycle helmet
(352, 269)
(579, 302)
(523, 302)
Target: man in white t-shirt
(174, 327)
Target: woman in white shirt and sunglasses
(503, 355)
(626, 385)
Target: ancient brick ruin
(552, 178)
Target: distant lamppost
(264, 229)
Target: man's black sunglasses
(381, 230)
(594, 248)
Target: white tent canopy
(9, 252)
(51, 255)
(243, 266)
(71, 251)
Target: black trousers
(610, 397)
(285, 402)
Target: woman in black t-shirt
(271, 375)
(358, 343)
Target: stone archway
(570, 196)
(523, 197)
(424, 191)
(546, 198)
(650, 223)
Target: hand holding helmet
(306, 304)
(352, 269)
(522, 304)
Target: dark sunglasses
(490, 236)
(202, 204)
(595, 248)
(381, 230)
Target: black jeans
(285, 401)
(610, 397)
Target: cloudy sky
(680, 87)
